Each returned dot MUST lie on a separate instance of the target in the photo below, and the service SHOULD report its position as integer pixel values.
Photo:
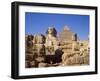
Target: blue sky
(38, 23)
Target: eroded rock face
(76, 58)
(40, 39)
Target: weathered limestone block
(66, 55)
(27, 64)
(86, 60)
(28, 41)
(42, 64)
(75, 46)
(50, 51)
(40, 59)
(40, 39)
(72, 59)
(77, 59)
(29, 57)
(40, 49)
(34, 64)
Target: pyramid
(66, 34)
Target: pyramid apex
(66, 28)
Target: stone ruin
(52, 50)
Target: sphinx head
(51, 31)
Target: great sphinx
(51, 37)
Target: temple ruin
(56, 49)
